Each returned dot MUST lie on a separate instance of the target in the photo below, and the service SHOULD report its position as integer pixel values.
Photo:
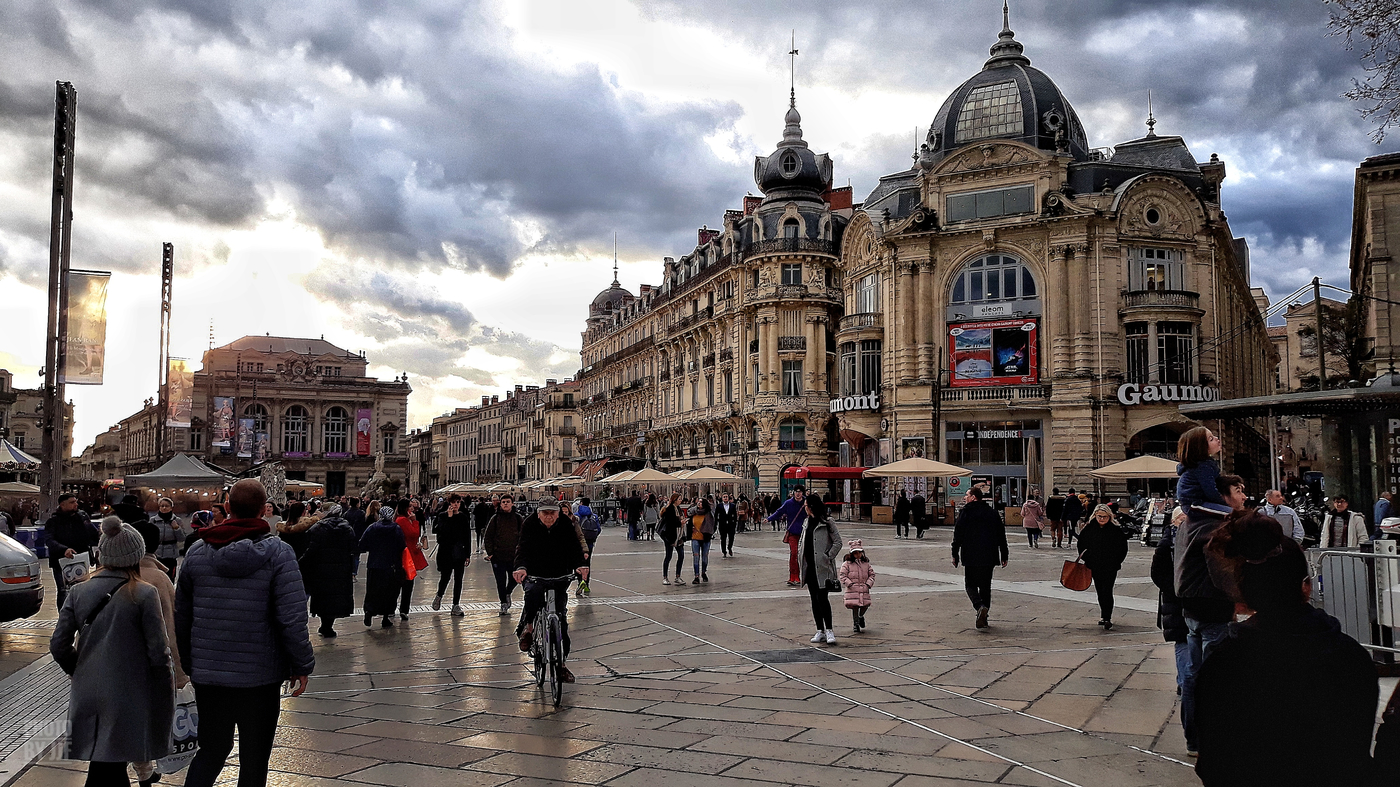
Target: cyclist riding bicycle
(549, 547)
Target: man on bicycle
(549, 547)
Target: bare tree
(1373, 25)
(1347, 351)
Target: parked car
(21, 592)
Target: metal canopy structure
(1304, 403)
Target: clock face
(299, 368)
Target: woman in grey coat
(110, 638)
(821, 545)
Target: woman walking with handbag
(454, 550)
(110, 639)
(1104, 546)
(702, 529)
(651, 514)
(821, 545)
(672, 533)
(1033, 519)
(413, 540)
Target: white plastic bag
(184, 733)
(74, 568)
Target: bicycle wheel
(555, 639)
(538, 650)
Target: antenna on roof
(916, 145)
(792, 71)
(211, 333)
(615, 282)
(1151, 121)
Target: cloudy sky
(437, 182)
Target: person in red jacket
(413, 537)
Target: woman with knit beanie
(110, 638)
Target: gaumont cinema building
(1015, 302)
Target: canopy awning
(648, 475)
(18, 487)
(181, 470)
(918, 467)
(617, 478)
(1139, 467)
(712, 474)
(825, 473)
(12, 456)
(1380, 396)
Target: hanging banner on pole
(87, 327)
(362, 426)
(245, 438)
(223, 422)
(262, 448)
(179, 393)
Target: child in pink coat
(857, 577)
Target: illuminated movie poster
(179, 393)
(246, 437)
(87, 327)
(223, 422)
(362, 426)
(993, 352)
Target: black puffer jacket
(979, 536)
(327, 566)
(1169, 617)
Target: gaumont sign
(870, 401)
(1134, 393)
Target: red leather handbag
(1075, 575)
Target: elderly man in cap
(550, 547)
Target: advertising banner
(87, 327)
(363, 418)
(223, 422)
(262, 447)
(993, 352)
(246, 437)
(179, 393)
(911, 448)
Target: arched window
(792, 435)
(790, 228)
(295, 424)
(259, 415)
(789, 164)
(335, 437)
(994, 277)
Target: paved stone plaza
(717, 684)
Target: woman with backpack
(591, 525)
(671, 533)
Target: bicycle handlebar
(570, 577)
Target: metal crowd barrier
(1362, 591)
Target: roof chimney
(495, 399)
(551, 381)
(485, 400)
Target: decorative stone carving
(986, 157)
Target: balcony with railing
(537, 448)
(1170, 299)
(792, 445)
(999, 393)
(791, 246)
(727, 354)
(537, 423)
(788, 343)
(753, 346)
(852, 322)
(566, 431)
(509, 450)
(708, 361)
(632, 428)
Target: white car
(21, 591)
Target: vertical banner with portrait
(262, 447)
(223, 423)
(179, 393)
(993, 352)
(87, 327)
(363, 419)
(246, 438)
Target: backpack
(590, 523)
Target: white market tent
(182, 470)
(1139, 467)
(917, 467)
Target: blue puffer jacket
(240, 614)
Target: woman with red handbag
(413, 559)
(1103, 546)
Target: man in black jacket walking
(68, 532)
(727, 522)
(979, 543)
(916, 514)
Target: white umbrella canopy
(682, 475)
(650, 476)
(917, 467)
(1139, 467)
(712, 474)
(617, 478)
(18, 487)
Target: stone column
(741, 362)
(922, 316)
(775, 364)
(903, 318)
(1080, 298)
(809, 361)
(819, 329)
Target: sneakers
(327, 631)
(792, 584)
(820, 636)
(587, 591)
(387, 623)
(665, 580)
(403, 616)
(527, 637)
(695, 581)
(505, 608)
(369, 619)
(704, 577)
(457, 611)
(437, 603)
(830, 637)
(1107, 625)
(982, 617)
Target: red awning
(838, 473)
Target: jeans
(106, 774)
(700, 556)
(534, 602)
(1032, 536)
(254, 712)
(454, 572)
(1183, 663)
(591, 536)
(1103, 585)
(978, 581)
(61, 588)
(821, 603)
(680, 559)
(505, 582)
(726, 542)
(632, 531)
(405, 596)
(901, 528)
(1201, 640)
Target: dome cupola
(793, 171)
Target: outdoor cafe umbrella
(18, 487)
(682, 475)
(1139, 467)
(917, 467)
(712, 474)
(649, 475)
(617, 478)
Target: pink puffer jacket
(857, 578)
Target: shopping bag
(74, 568)
(1075, 575)
(184, 733)
(410, 571)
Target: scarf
(232, 530)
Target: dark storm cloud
(405, 132)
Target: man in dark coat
(499, 543)
(1169, 617)
(67, 533)
(916, 514)
(1073, 511)
(327, 566)
(358, 522)
(901, 515)
(727, 523)
(979, 543)
(1055, 512)
(634, 516)
(481, 518)
(549, 548)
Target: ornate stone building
(729, 361)
(529, 436)
(1032, 308)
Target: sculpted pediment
(988, 156)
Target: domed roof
(1007, 99)
(793, 170)
(610, 300)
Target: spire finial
(916, 145)
(1151, 121)
(1007, 49)
(1005, 16)
(615, 283)
(792, 72)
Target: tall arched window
(259, 415)
(994, 277)
(294, 430)
(792, 435)
(335, 437)
(790, 228)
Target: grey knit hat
(386, 512)
(120, 545)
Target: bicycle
(547, 648)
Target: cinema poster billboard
(223, 423)
(993, 352)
